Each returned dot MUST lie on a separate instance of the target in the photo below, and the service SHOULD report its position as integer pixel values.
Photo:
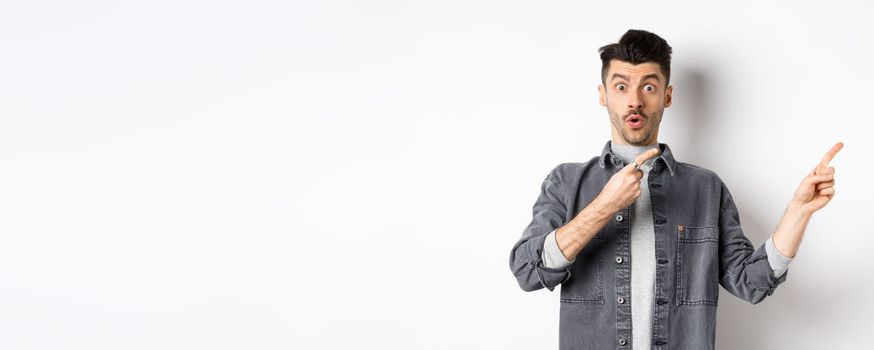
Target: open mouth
(634, 121)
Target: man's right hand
(623, 188)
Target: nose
(635, 101)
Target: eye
(620, 87)
(649, 88)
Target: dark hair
(636, 47)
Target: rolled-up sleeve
(743, 271)
(779, 262)
(552, 255)
(526, 257)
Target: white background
(352, 175)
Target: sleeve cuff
(779, 262)
(552, 255)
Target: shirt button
(621, 341)
(618, 259)
(618, 217)
(620, 300)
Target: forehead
(634, 72)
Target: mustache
(635, 112)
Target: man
(639, 241)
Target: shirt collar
(665, 155)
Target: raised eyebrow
(620, 76)
(651, 76)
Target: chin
(638, 142)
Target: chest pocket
(697, 265)
(586, 285)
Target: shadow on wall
(741, 325)
(696, 116)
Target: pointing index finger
(828, 157)
(643, 157)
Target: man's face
(636, 96)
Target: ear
(668, 97)
(602, 95)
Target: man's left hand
(817, 188)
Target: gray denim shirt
(699, 245)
